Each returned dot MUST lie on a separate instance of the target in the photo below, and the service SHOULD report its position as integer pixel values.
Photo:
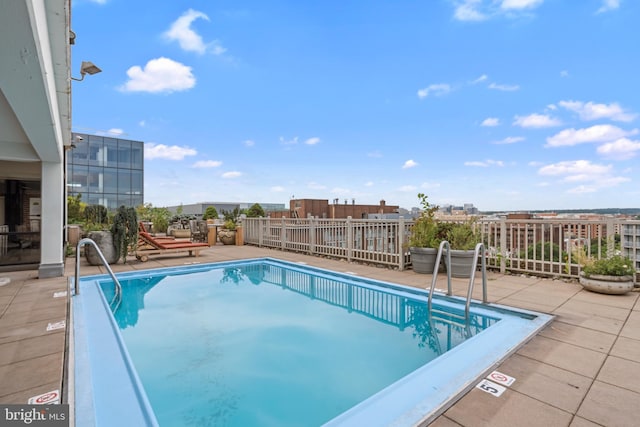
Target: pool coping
(88, 406)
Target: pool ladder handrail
(479, 252)
(118, 288)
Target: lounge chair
(163, 246)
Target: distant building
(106, 171)
(198, 209)
(321, 208)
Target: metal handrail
(477, 253)
(118, 287)
(479, 247)
(434, 277)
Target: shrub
(616, 265)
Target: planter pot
(423, 260)
(104, 240)
(461, 263)
(227, 237)
(181, 233)
(614, 285)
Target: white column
(51, 250)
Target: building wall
(106, 171)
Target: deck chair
(153, 246)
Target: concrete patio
(582, 370)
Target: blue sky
(506, 104)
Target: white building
(35, 128)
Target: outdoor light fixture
(87, 67)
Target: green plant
(616, 265)
(96, 214)
(125, 231)
(255, 211)
(425, 232)
(463, 235)
(75, 209)
(158, 216)
(210, 213)
(231, 218)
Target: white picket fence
(535, 246)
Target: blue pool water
(268, 343)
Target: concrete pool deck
(582, 370)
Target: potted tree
(96, 227)
(463, 238)
(613, 275)
(125, 231)
(425, 238)
(227, 233)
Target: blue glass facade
(106, 171)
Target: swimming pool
(265, 342)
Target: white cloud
(277, 189)
(593, 177)
(312, 141)
(409, 164)
(520, 4)
(485, 164)
(169, 152)
(115, 131)
(575, 167)
(480, 79)
(376, 154)
(142, 123)
(434, 89)
(490, 122)
(368, 184)
(593, 111)
(293, 141)
(468, 11)
(207, 164)
(620, 149)
(504, 88)
(231, 175)
(510, 140)
(608, 5)
(407, 188)
(536, 121)
(159, 75)
(481, 10)
(597, 133)
(564, 73)
(187, 38)
(249, 143)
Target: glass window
(78, 178)
(124, 154)
(136, 201)
(124, 181)
(80, 154)
(124, 199)
(136, 182)
(111, 152)
(96, 151)
(95, 180)
(110, 180)
(137, 150)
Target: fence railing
(534, 246)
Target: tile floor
(582, 370)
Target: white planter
(614, 285)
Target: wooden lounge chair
(164, 246)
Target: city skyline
(510, 105)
